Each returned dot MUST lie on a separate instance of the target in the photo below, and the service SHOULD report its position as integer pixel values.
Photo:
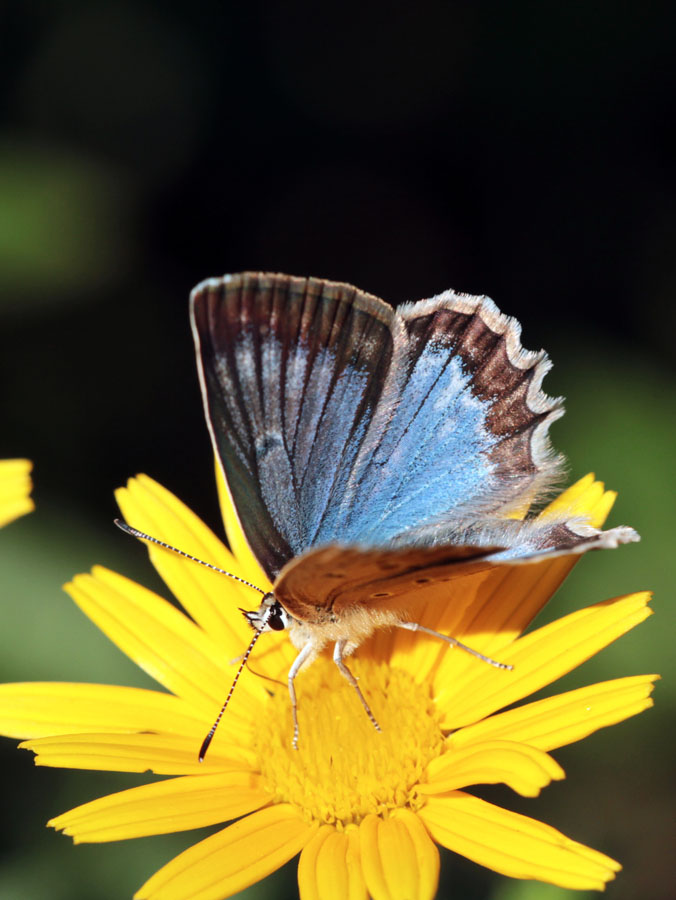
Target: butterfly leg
(414, 626)
(305, 654)
(338, 651)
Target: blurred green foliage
(63, 223)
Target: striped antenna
(141, 535)
(212, 730)
(134, 532)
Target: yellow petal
(539, 658)
(163, 642)
(514, 845)
(330, 866)
(232, 859)
(488, 611)
(162, 754)
(212, 599)
(524, 769)
(587, 498)
(166, 806)
(439, 607)
(399, 860)
(274, 656)
(39, 709)
(15, 488)
(250, 566)
(566, 718)
(599, 511)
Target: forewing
(291, 371)
(466, 436)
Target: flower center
(344, 768)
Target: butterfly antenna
(207, 740)
(134, 532)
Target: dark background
(521, 150)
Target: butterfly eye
(276, 617)
(276, 621)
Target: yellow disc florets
(344, 768)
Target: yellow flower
(15, 488)
(365, 810)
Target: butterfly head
(270, 615)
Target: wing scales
(340, 421)
(289, 374)
(326, 582)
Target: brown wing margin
(505, 376)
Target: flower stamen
(344, 769)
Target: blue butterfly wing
(291, 375)
(464, 430)
(340, 421)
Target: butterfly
(370, 450)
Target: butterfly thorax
(321, 626)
